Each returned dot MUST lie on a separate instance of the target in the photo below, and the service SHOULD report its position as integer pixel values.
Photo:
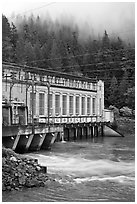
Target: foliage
(52, 45)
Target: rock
(8, 188)
(22, 180)
(38, 168)
(17, 188)
(13, 159)
(18, 172)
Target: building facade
(63, 98)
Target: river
(94, 170)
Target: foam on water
(87, 170)
(120, 179)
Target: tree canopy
(52, 45)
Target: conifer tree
(113, 91)
(6, 40)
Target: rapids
(101, 169)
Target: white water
(83, 170)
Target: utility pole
(33, 128)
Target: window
(57, 104)
(100, 106)
(70, 82)
(64, 105)
(83, 106)
(70, 104)
(93, 105)
(94, 86)
(21, 84)
(88, 105)
(84, 85)
(41, 103)
(77, 104)
(50, 104)
(34, 102)
(88, 85)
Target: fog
(92, 18)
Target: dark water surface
(100, 169)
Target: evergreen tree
(113, 92)
(6, 40)
(29, 54)
(14, 38)
(20, 50)
(130, 98)
(105, 41)
(56, 62)
(122, 90)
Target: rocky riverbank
(126, 125)
(19, 172)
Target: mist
(92, 19)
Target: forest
(58, 46)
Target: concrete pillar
(96, 131)
(62, 136)
(76, 132)
(47, 141)
(88, 131)
(15, 142)
(54, 137)
(85, 132)
(91, 131)
(66, 133)
(29, 141)
(42, 138)
(82, 135)
(69, 134)
(102, 130)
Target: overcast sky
(115, 17)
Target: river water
(94, 170)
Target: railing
(67, 119)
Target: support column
(16, 142)
(88, 131)
(102, 130)
(96, 131)
(69, 134)
(54, 137)
(42, 138)
(91, 130)
(76, 132)
(62, 136)
(29, 141)
(82, 135)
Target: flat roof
(38, 70)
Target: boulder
(18, 172)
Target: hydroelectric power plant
(42, 106)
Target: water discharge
(83, 170)
(98, 170)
